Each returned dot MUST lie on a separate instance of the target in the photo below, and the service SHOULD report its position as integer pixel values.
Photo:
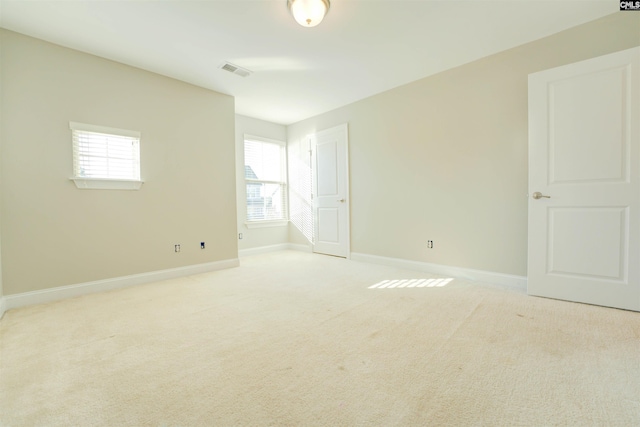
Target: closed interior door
(584, 181)
(329, 154)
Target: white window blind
(105, 153)
(265, 176)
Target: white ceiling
(363, 47)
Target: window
(265, 177)
(105, 158)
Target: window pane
(265, 201)
(263, 161)
(100, 155)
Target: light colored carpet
(295, 339)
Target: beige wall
(255, 237)
(445, 158)
(54, 234)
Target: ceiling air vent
(239, 71)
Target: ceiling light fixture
(308, 13)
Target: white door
(584, 181)
(329, 157)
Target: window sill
(107, 184)
(262, 224)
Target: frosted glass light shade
(308, 13)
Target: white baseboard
(273, 248)
(518, 282)
(3, 307)
(70, 291)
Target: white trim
(273, 248)
(266, 223)
(247, 137)
(70, 291)
(107, 184)
(104, 129)
(348, 194)
(3, 306)
(265, 181)
(508, 280)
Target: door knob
(341, 200)
(538, 195)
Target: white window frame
(285, 185)
(103, 183)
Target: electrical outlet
(201, 245)
(177, 248)
(430, 244)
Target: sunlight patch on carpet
(412, 283)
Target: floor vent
(239, 71)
